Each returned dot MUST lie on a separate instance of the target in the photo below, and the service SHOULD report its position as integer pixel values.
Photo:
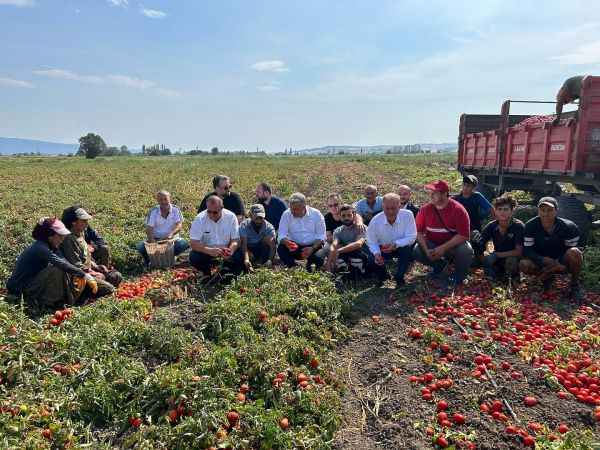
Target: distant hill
(8, 146)
(356, 149)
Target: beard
(348, 223)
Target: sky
(273, 74)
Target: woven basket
(161, 254)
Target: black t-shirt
(274, 210)
(232, 202)
(330, 223)
(412, 208)
(504, 242)
(538, 243)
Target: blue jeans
(180, 246)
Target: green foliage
(111, 362)
(91, 145)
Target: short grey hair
(404, 187)
(391, 197)
(163, 193)
(297, 198)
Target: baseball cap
(471, 179)
(438, 186)
(550, 201)
(55, 225)
(258, 210)
(82, 214)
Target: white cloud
(18, 3)
(68, 75)
(268, 88)
(584, 54)
(270, 66)
(11, 82)
(133, 82)
(119, 2)
(111, 79)
(154, 13)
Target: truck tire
(574, 209)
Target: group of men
(446, 234)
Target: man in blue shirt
(478, 207)
(274, 206)
(369, 206)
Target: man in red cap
(443, 231)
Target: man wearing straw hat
(163, 222)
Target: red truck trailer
(530, 153)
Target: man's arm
(176, 229)
(284, 227)
(457, 239)
(271, 243)
(94, 238)
(517, 251)
(199, 247)
(409, 231)
(149, 233)
(372, 239)
(484, 205)
(352, 247)
(528, 249)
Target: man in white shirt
(215, 235)
(391, 234)
(163, 222)
(301, 233)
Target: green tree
(214, 151)
(91, 145)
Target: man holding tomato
(301, 234)
(391, 234)
(215, 238)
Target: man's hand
(436, 253)
(306, 252)
(227, 253)
(291, 245)
(387, 248)
(91, 248)
(361, 227)
(549, 262)
(103, 269)
(214, 252)
(248, 265)
(379, 259)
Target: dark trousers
(461, 256)
(363, 254)
(404, 257)
(204, 262)
(289, 258)
(259, 252)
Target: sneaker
(577, 293)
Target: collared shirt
(254, 237)
(302, 230)
(504, 242)
(401, 233)
(538, 243)
(363, 208)
(443, 225)
(215, 234)
(162, 226)
(274, 210)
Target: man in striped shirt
(550, 247)
(443, 231)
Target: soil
(382, 409)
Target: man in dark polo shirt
(568, 92)
(231, 200)
(274, 206)
(506, 233)
(550, 247)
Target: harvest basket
(161, 254)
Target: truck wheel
(574, 209)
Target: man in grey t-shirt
(257, 238)
(348, 241)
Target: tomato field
(282, 359)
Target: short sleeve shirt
(347, 235)
(219, 233)
(254, 237)
(330, 223)
(440, 227)
(362, 207)
(504, 242)
(565, 235)
(162, 226)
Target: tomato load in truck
(538, 153)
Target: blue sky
(277, 74)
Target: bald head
(214, 207)
(370, 192)
(405, 193)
